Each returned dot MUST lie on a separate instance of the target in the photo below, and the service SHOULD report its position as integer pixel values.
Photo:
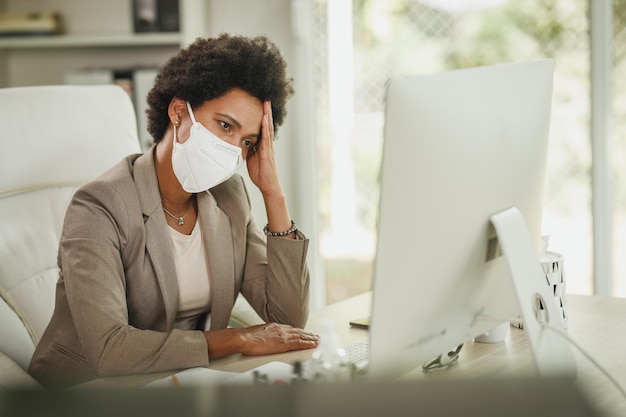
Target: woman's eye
(247, 143)
(225, 125)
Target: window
(619, 162)
(359, 44)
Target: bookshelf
(97, 33)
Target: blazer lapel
(218, 241)
(158, 239)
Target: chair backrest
(53, 139)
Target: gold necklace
(181, 219)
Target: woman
(151, 262)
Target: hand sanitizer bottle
(329, 361)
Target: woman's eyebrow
(232, 120)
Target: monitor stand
(550, 350)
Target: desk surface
(596, 324)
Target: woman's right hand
(262, 339)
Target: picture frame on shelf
(156, 16)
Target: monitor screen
(458, 147)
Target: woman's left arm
(263, 172)
(282, 294)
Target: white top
(194, 291)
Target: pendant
(181, 221)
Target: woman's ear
(176, 110)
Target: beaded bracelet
(285, 233)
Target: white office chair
(53, 139)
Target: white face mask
(204, 160)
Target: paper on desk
(276, 372)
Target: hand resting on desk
(262, 339)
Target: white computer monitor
(458, 147)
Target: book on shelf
(89, 76)
(30, 23)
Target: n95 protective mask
(204, 160)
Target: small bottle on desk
(329, 362)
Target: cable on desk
(564, 335)
(606, 373)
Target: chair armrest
(12, 375)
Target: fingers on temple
(269, 120)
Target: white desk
(596, 323)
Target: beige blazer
(117, 293)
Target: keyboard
(358, 354)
